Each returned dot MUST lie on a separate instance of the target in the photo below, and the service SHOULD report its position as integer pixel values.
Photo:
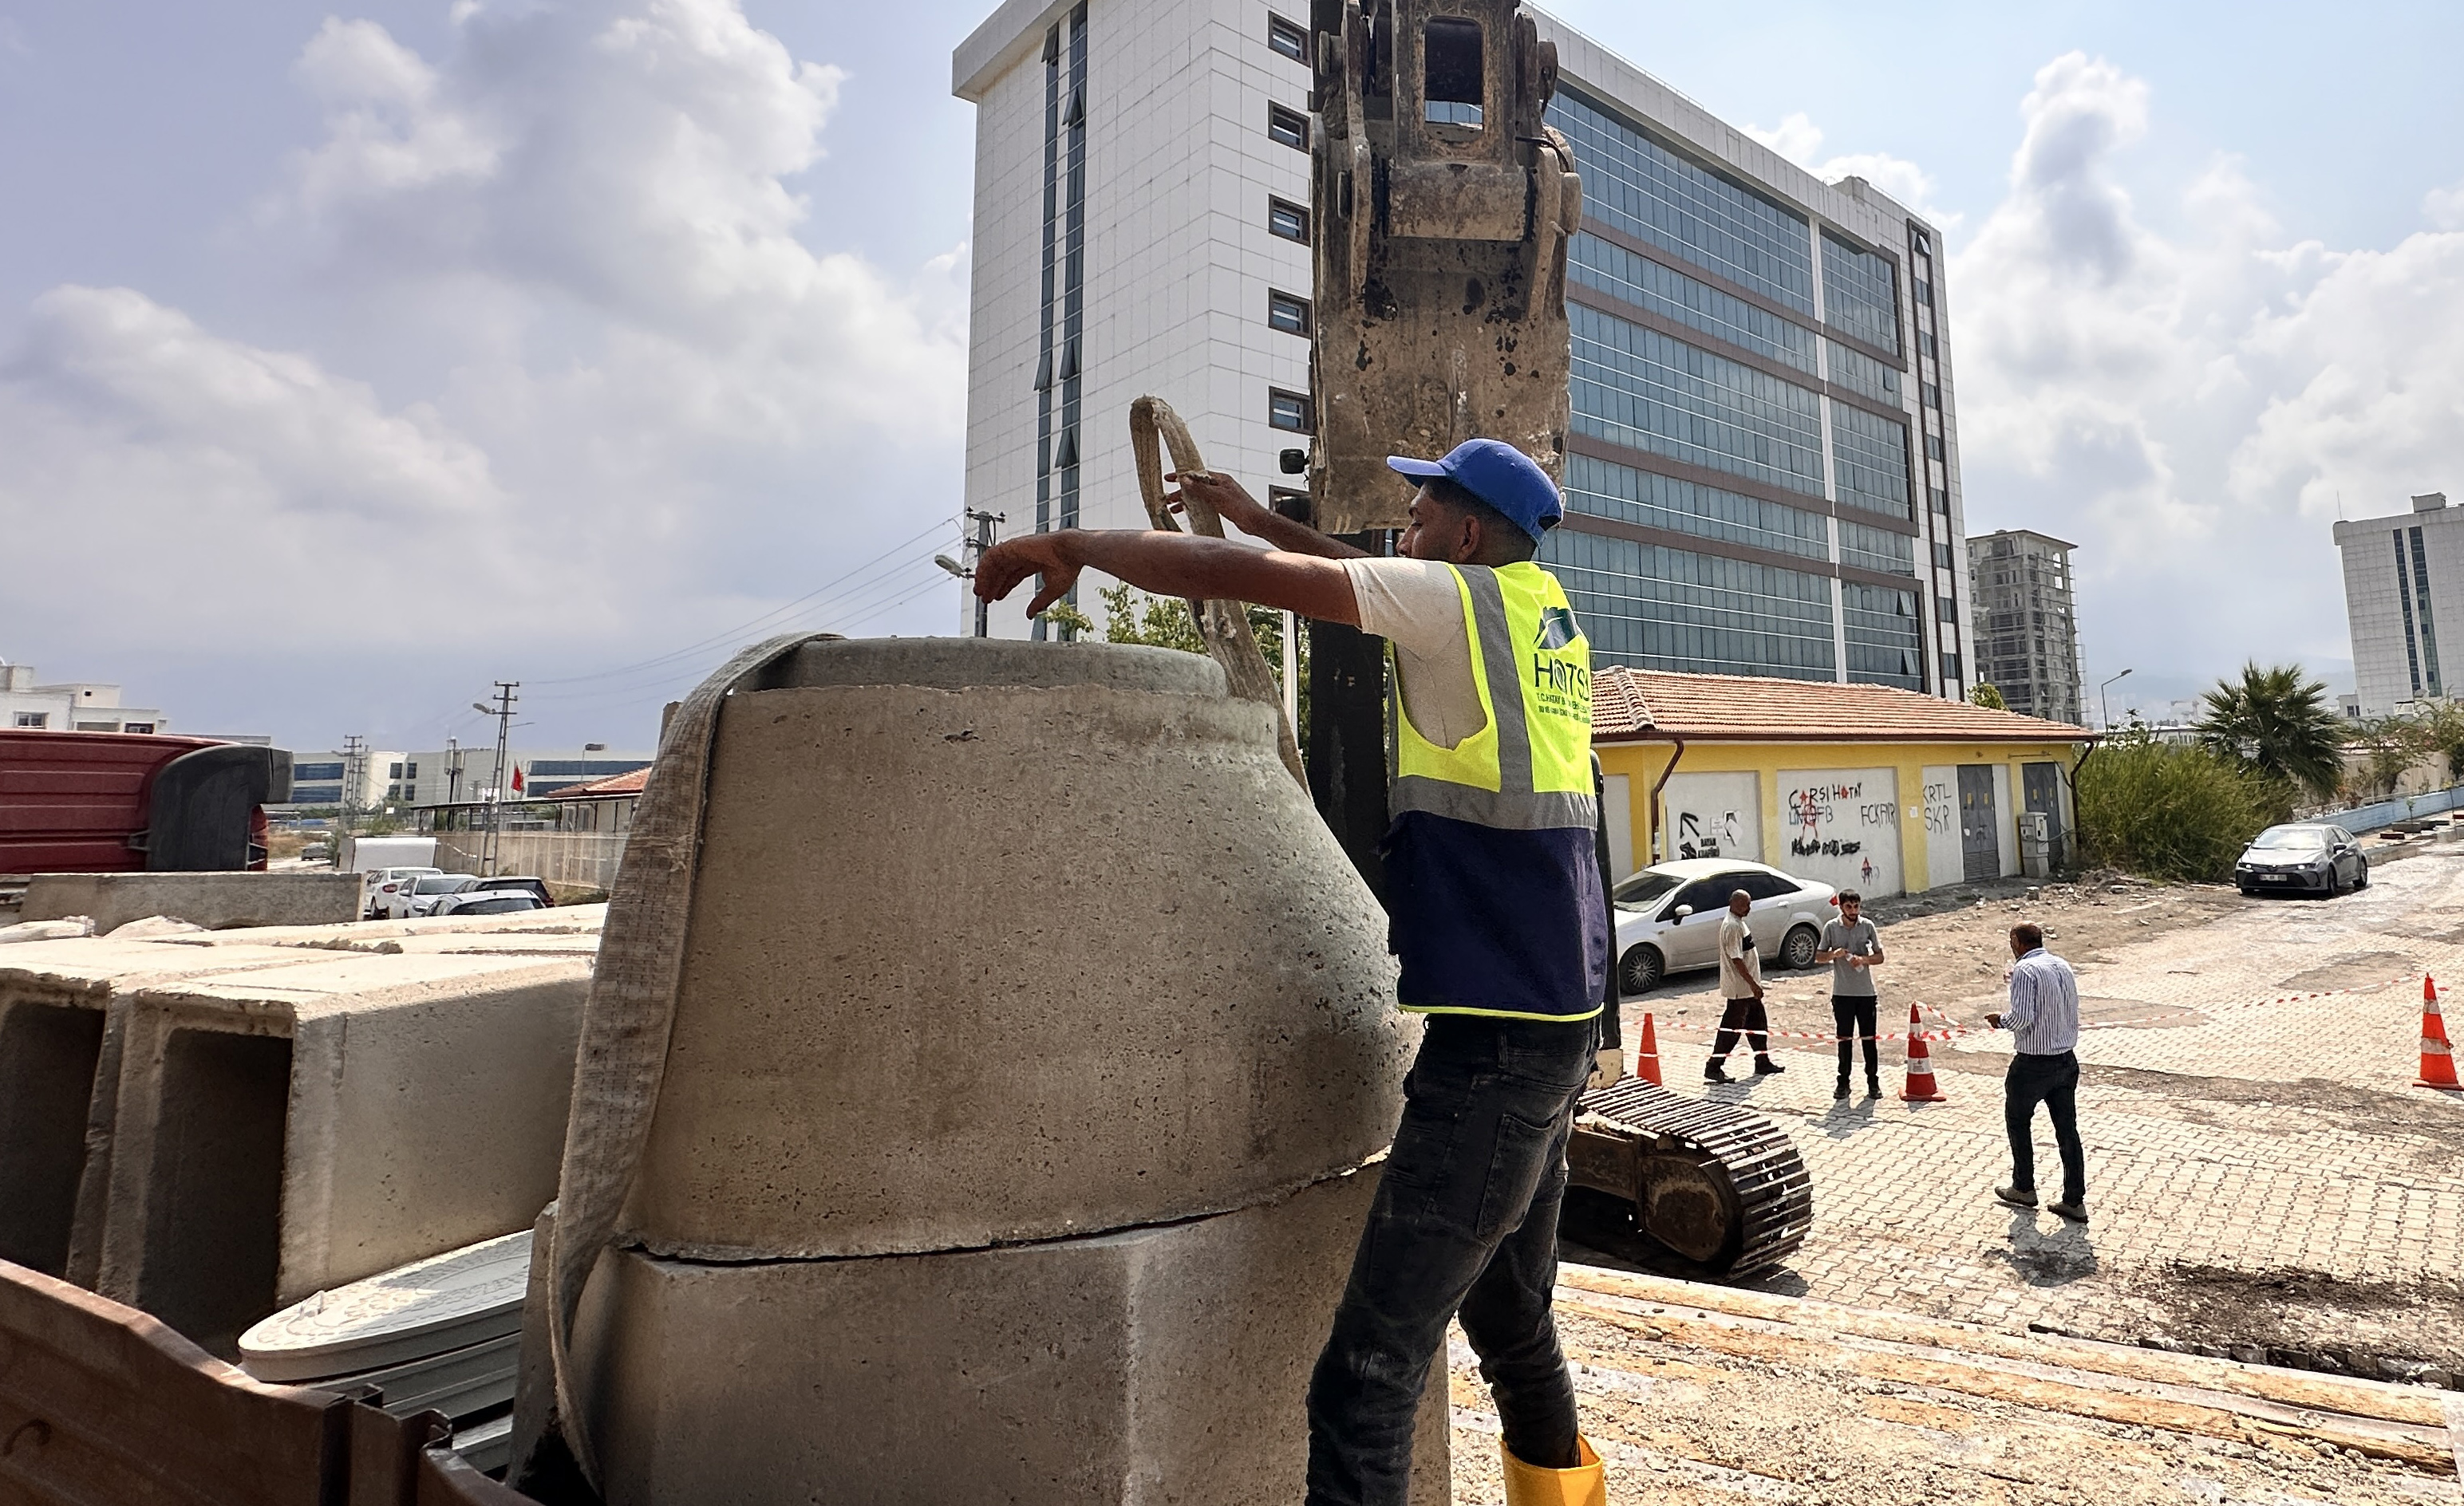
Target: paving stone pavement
(2261, 1124)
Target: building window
(1288, 127)
(1925, 291)
(393, 771)
(1288, 314)
(1934, 449)
(1287, 39)
(1946, 612)
(142, 728)
(36, 720)
(1289, 410)
(1287, 220)
(1941, 555)
(1941, 499)
(1949, 669)
(1932, 394)
(2428, 632)
(1927, 345)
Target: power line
(737, 633)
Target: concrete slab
(1153, 1364)
(288, 1129)
(1010, 946)
(215, 900)
(54, 1000)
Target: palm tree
(2278, 724)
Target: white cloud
(1799, 140)
(2190, 404)
(572, 365)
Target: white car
(380, 884)
(1668, 917)
(420, 895)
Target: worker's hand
(1993, 1020)
(1001, 567)
(1225, 496)
(1607, 1067)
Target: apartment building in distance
(2402, 577)
(75, 705)
(2025, 624)
(1763, 471)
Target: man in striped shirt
(2044, 1024)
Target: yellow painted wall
(1644, 763)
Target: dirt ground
(1693, 1404)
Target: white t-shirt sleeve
(1417, 605)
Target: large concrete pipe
(1027, 1035)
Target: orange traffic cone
(2437, 1057)
(1646, 1055)
(1920, 1087)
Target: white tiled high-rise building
(2403, 577)
(1763, 470)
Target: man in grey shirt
(2044, 1024)
(1854, 949)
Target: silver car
(419, 896)
(1668, 917)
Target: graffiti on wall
(1842, 827)
(1714, 815)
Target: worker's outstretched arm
(1170, 564)
(1233, 503)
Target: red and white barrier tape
(1953, 1029)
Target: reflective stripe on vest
(1499, 776)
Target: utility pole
(355, 752)
(975, 547)
(452, 770)
(503, 712)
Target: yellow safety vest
(1493, 881)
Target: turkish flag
(517, 778)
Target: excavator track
(1714, 1184)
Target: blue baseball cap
(1499, 474)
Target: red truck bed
(69, 802)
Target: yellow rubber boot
(1530, 1485)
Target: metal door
(1980, 841)
(2040, 787)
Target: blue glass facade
(1652, 608)
(1637, 388)
(1638, 186)
(1728, 377)
(1860, 296)
(1604, 489)
(1621, 274)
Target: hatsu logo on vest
(1561, 686)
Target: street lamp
(2106, 704)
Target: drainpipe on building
(1655, 810)
(2072, 836)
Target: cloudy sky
(351, 358)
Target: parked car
(534, 887)
(487, 901)
(1668, 917)
(380, 884)
(2302, 857)
(420, 895)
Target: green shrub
(2168, 811)
(1987, 698)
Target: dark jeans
(1854, 1019)
(1745, 1015)
(1464, 1219)
(2053, 1082)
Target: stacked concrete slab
(1029, 1038)
(215, 900)
(222, 1127)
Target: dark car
(536, 889)
(2303, 857)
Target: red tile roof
(614, 784)
(1651, 706)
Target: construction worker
(1497, 915)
